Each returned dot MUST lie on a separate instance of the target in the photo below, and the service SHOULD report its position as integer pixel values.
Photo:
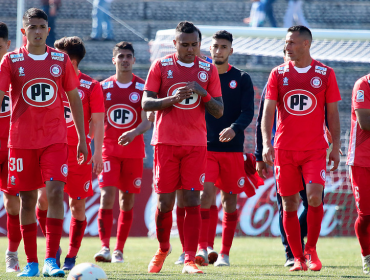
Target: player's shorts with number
(4, 174)
(179, 167)
(79, 184)
(122, 173)
(290, 166)
(226, 170)
(360, 179)
(30, 168)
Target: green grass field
(251, 258)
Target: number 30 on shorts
(16, 164)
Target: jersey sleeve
(97, 100)
(332, 90)
(70, 79)
(214, 85)
(272, 86)
(154, 80)
(5, 74)
(361, 95)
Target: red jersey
(359, 143)
(301, 99)
(92, 102)
(38, 86)
(182, 124)
(4, 122)
(122, 113)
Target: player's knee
(107, 200)
(11, 204)
(314, 200)
(127, 204)
(205, 200)
(165, 205)
(42, 202)
(77, 210)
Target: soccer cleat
(289, 262)
(157, 261)
(222, 260)
(30, 270)
(299, 264)
(201, 258)
(51, 269)
(117, 257)
(366, 264)
(191, 268)
(313, 260)
(69, 263)
(181, 259)
(11, 261)
(57, 257)
(103, 255)
(212, 255)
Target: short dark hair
(188, 27)
(123, 46)
(4, 33)
(35, 13)
(73, 46)
(223, 34)
(303, 31)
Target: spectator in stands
(101, 25)
(294, 12)
(259, 11)
(51, 7)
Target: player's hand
(197, 88)
(227, 134)
(150, 115)
(182, 93)
(262, 170)
(82, 152)
(335, 158)
(268, 154)
(127, 137)
(97, 160)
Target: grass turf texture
(251, 258)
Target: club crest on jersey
(85, 84)
(108, 96)
(299, 102)
(320, 70)
(285, 81)
(12, 180)
(17, 57)
(202, 178)
(316, 82)
(107, 85)
(203, 76)
(190, 103)
(87, 186)
(121, 116)
(68, 114)
(241, 182)
(233, 84)
(21, 71)
(169, 74)
(139, 86)
(360, 96)
(323, 174)
(55, 70)
(134, 97)
(57, 56)
(81, 94)
(40, 92)
(64, 170)
(137, 183)
(5, 107)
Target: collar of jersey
(188, 65)
(120, 85)
(38, 56)
(305, 69)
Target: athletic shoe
(57, 257)
(222, 260)
(191, 268)
(11, 261)
(299, 264)
(312, 259)
(30, 270)
(103, 255)
(201, 258)
(52, 269)
(69, 263)
(212, 255)
(181, 259)
(366, 264)
(289, 262)
(117, 256)
(158, 259)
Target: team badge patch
(121, 116)
(169, 74)
(360, 96)
(55, 70)
(64, 170)
(134, 97)
(316, 82)
(40, 92)
(137, 183)
(21, 71)
(5, 107)
(81, 94)
(233, 84)
(202, 178)
(323, 174)
(203, 76)
(241, 182)
(285, 81)
(87, 186)
(299, 102)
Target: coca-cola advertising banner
(258, 215)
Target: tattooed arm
(150, 101)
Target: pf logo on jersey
(5, 107)
(299, 102)
(68, 114)
(189, 103)
(40, 92)
(121, 116)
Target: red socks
(213, 219)
(293, 233)
(29, 234)
(180, 213)
(123, 228)
(14, 232)
(41, 217)
(105, 223)
(314, 219)
(362, 231)
(229, 223)
(163, 223)
(191, 231)
(76, 233)
(203, 236)
(54, 228)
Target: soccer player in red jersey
(180, 87)
(300, 89)
(38, 154)
(11, 197)
(123, 150)
(359, 162)
(79, 185)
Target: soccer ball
(87, 271)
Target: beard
(220, 62)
